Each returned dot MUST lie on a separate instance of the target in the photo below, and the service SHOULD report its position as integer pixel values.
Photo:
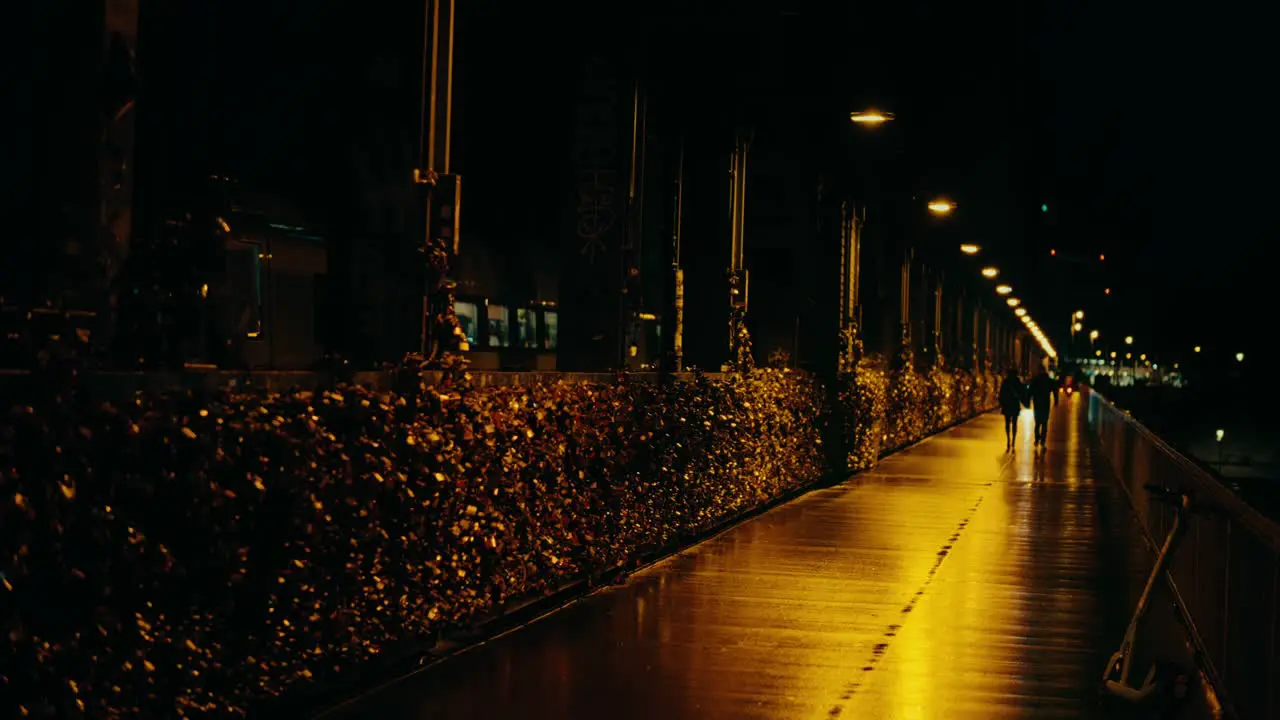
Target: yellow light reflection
(948, 624)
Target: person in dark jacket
(1042, 388)
(1013, 396)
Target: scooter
(1166, 685)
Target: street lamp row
(943, 207)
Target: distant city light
(990, 272)
(1044, 208)
(1220, 434)
(1079, 314)
(1013, 302)
(1020, 312)
(1107, 291)
(1197, 348)
(1128, 339)
(969, 248)
(943, 207)
(1113, 354)
(1098, 353)
(1102, 257)
(1053, 251)
(1077, 327)
(1239, 357)
(1004, 289)
(1093, 334)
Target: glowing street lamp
(967, 248)
(1093, 334)
(1239, 357)
(1128, 339)
(1013, 302)
(870, 117)
(1077, 327)
(1020, 312)
(1113, 354)
(990, 272)
(1097, 353)
(1079, 314)
(1004, 289)
(1197, 348)
(942, 207)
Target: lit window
(551, 322)
(499, 326)
(526, 328)
(468, 318)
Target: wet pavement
(955, 581)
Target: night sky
(1141, 128)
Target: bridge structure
(956, 580)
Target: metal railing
(1226, 575)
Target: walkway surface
(955, 581)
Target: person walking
(1013, 396)
(1042, 388)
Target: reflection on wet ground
(955, 581)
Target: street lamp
(870, 117)
(1004, 289)
(967, 248)
(1128, 339)
(1013, 302)
(1079, 314)
(1093, 334)
(1239, 357)
(942, 207)
(1077, 327)
(990, 272)
(1020, 312)
(1197, 348)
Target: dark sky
(1142, 129)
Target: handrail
(1221, 496)
(1226, 579)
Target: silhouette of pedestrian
(1013, 396)
(1042, 388)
